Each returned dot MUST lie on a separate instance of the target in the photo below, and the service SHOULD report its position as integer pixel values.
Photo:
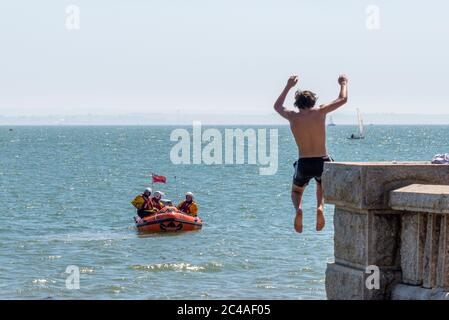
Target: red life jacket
(148, 205)
(157, 205)
(186, 206)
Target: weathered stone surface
(388, 280)
(350, 237)
(421, 198)
(409, 242)
(346, 283)
(362, 239)
(367, 185)
(407, 292)
(413, 234)
(431, 250)
(384, 240)
(342, 185)
(443, 254)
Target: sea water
(65, 197)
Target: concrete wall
(401, 231)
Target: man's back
(309, 124)
(309, 130)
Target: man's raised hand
(292, 81)
(343, 79)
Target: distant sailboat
(331, 122)
(361, 133)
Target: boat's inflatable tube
(169, 219)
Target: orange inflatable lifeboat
(168, 219)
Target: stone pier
(393, 217)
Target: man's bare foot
(320, 222)
(298, 221)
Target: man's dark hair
(305, 99)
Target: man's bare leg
(320, 222)
(297, 204)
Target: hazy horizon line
(341, 113)
(149, 119)
(205, 124)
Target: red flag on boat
(157, 178)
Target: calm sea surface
(65, 197)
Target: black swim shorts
(308, 168)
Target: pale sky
(220, 56)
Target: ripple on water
(86, 270)
(53, 257)
(43, 281)
(160, 267)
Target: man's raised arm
(279, 104)
(342, 97)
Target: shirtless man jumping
(309, 130)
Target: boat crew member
(157, 203)
(189, 206)
(143, 203)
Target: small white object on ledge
(441, 159)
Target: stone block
(343, 283)
(366, 238)
(392, 216)
(443, 254)
(431, 250)
(421, 198)
(384, 240)
(408, 292)
(347, 283)
(363, 185)
(350, 237)
(413, 234)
